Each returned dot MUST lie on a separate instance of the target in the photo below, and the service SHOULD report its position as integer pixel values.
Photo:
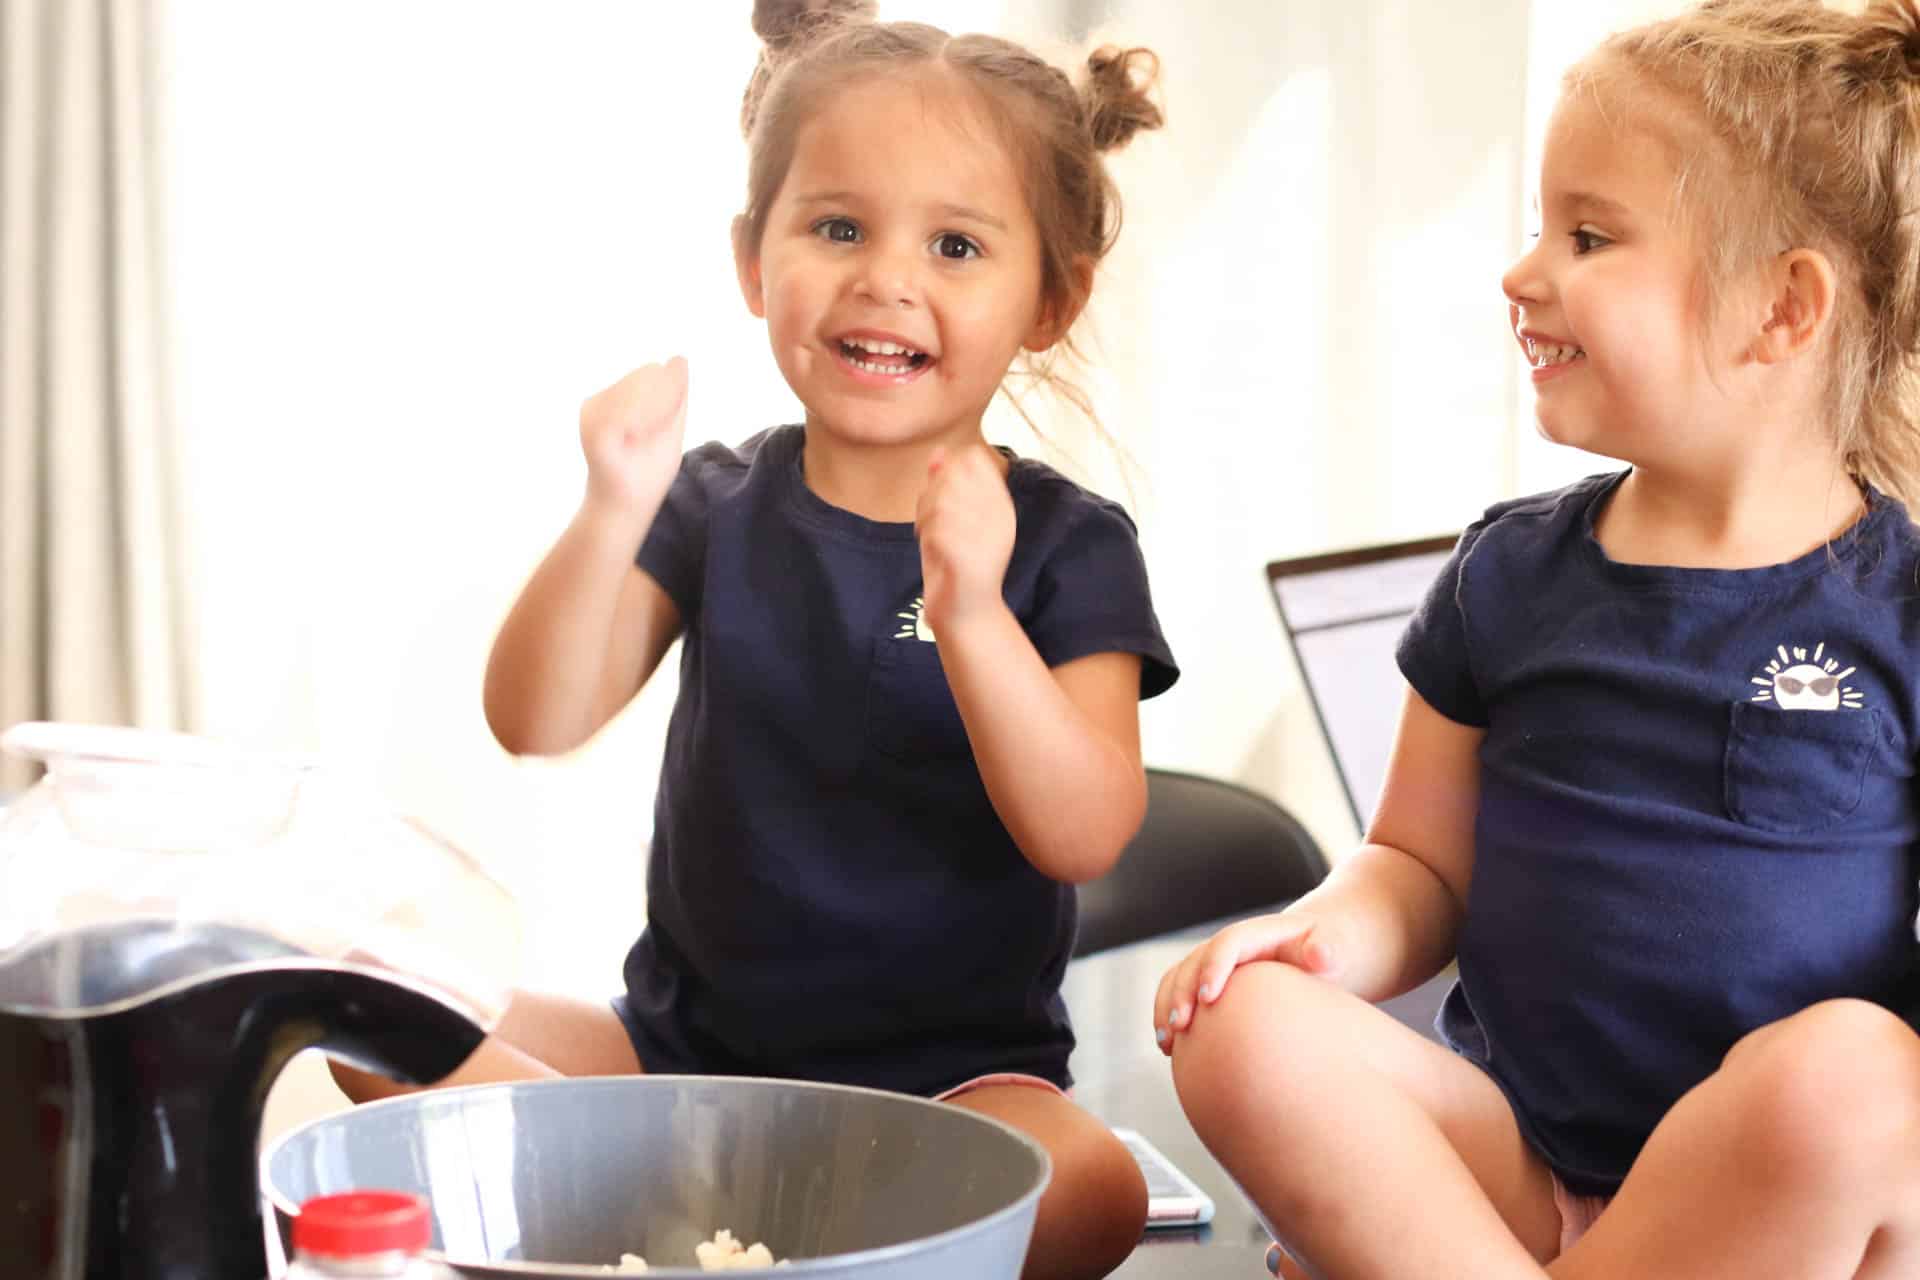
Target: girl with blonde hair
(1654, 783)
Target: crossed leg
(1375, 1153)
(1799, 1157)
(1370, 1150)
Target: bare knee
(1828, 1096)
(1094, 1208)
(1093, 1211)
(1240, 1056)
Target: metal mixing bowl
(559, 1178)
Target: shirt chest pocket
(1797, 770)
(911, 714)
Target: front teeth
(1543, 355)
(874, 366)
(897, 358)
(880, 348)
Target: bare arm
(586, 633)
(1405, 888)
(589, 628)
(1386, 918)
(1059, 749)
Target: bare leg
(1372, 1151)
(1093, 1211)
(1799, 1157)
(540, 1036)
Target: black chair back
(1207, 850)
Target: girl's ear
(1057, 315)
(746, 264)
(1801, 287)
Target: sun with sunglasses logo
(1799, 681)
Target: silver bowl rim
(825, 1265)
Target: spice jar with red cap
(365, 1235)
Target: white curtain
(90, 581)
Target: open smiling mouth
(1546, 355)
(888, 359)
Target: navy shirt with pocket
(1697, 809)
(830, 893)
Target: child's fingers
(938, 473)
(1175, 1002)
(656, 393)
(1281, 938)
(677, 372)
(1162, 1001)
(647, 398)
(1201, 978)
(1169, 996)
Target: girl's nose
(1522, 282)
(889, 279)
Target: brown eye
(1824, 685)
(955, 247)
(838, 230)
(1788, 684)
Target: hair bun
(1894, 28)
(1119, 95)
(787, 24)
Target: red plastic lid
(362, 1222)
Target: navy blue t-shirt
(831, 895)
(1697, 809)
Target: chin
(1555, 429)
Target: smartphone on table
(1173, 1199)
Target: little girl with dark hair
(908, 719)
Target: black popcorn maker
(177, 921)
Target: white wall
(408, 240)
(1316, 355)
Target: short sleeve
(674, 552)
(1433, 651)
(1092, 597)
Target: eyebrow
(963, 213)
(958, 212)
(1593, 202)
(825, 197)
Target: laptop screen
(1343, 614)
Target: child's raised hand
(965, 524)
(631, 434)
(1292, 937)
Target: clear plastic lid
(211, 858)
